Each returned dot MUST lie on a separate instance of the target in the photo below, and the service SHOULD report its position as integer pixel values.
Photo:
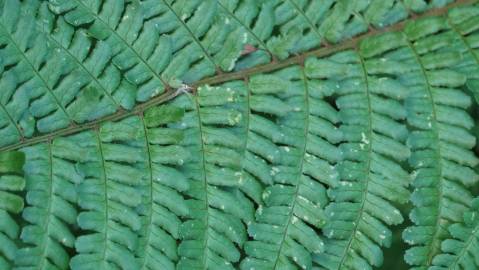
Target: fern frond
(134, 46)
(11, 204)
(214, 127)
(55, 76)
(164, 203)
(303, 25)
(89, 60)
(464, 24)
(50, 212)
(24, 74)
(202, 36)
(372, 178)
(462, 250)
(269, 154)
(440, 139)
(159, 42)
(113, 166)
(287, 135)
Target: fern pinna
(215, 134)
(11, 204)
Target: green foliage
(373, 146)
(214, 228)
(441, 157)
(463, 24)
(50, 186)
(286, 146)
(265, 154)
(461, 250)
(85, 60)
(11, 204)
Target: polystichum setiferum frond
(214, 134)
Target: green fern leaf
(11, 204)
(213, 128)
(294, 170)
(141, 56)
(216, 134)
(51, 65)
(460, 252)
(115, 54)
(463, 23)
(113, 169)
(374, 145)
(164, 203)
(51, 193)
(442, 161)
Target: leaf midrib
(467, 245)
(274, 65)
(308, 21)
(300, 172)
(246, 28)
(365, 192)
(434, 248)
(49, 213)
(205, 179)
(106, 229)
(149, 223)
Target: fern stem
(325, 51)
(121, 114)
